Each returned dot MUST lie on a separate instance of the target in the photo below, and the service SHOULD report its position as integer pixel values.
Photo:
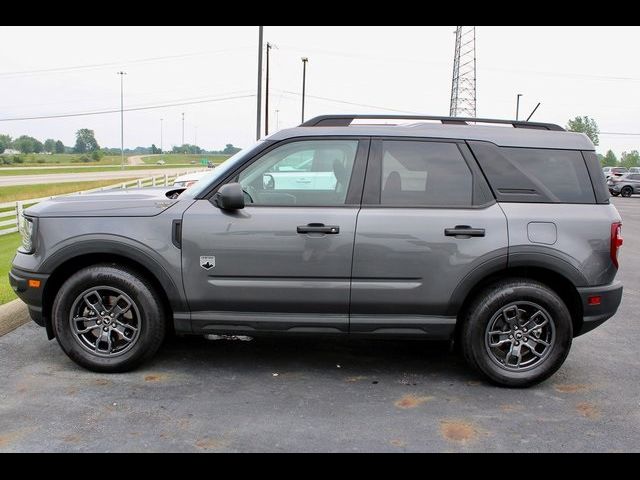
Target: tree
(85, 141)
(155, 150)
(49, 145)
(585, 125)
(27, 144)
(230, 149)
(5, 142)
(630, 159)
(59, 147)
(609, 160)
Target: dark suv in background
(498, 235)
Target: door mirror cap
(229, 197)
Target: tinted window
(314, 172)
(424, 174)
(562, 173)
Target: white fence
(9, 217)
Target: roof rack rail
(345, 121)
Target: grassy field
(180, 158)
(32, 160)
(23, 192)
(8, 245)
(40, 171)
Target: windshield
(220, 171)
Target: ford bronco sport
(494, 234)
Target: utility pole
(259, 95)
(161, 135)
(304, 81)
(195, 141)
(266, 94)
(182, 128)
(518, 105)
(122, 74)
(277, 119)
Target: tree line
(86, 143)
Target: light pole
(266, 94)
(122, 74)
(277, 119)
(259, 95)
(304, 81)
(161, 135)
(182, 128)
(518, 105)
(195, 140)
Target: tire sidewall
(492, 303)
(626, 191)
(151, 317)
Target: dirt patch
(458, 431)
(396, 442)
(156, 377)
(101, 382)
(474, 383)
(71, 438)
(571, 387)
(211, 443)
(411, 401)
(588, 410)
(8, 438)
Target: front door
(283, 263)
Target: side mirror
(229, 197)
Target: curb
(13, 315)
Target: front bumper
(32, 296)
(595, 315)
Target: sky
(48, 71)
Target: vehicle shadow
(318, 354)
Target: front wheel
(108, 318)
(626, 191)
(615, 194)
(517, 332)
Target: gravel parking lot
(284, 394)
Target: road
(88, 176)
(284, 394)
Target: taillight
(616, 241)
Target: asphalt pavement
(293, 394)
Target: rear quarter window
(534, 174)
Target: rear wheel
(517, 332)
(108, 318)
(626, 191)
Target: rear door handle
(464, 231)
(318, 228)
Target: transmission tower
(463, 85)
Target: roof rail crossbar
(346, 120)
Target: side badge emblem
(208, 262)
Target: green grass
(32, 160)
(8, 245)
(41, 171)
(24, 192)
(181, 159)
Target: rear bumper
(595, 315)
(32, 296)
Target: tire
(626, 191)
(615, 194)
(121, 345)
(489, 312)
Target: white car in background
(184, 181)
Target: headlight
(25, 227)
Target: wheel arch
(70, 260)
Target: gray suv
(496, 235)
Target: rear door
(427, 224)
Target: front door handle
(318, 228)
(464, 231)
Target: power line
(619, 133)
(112, 64)
(334, 100)
(103, 112)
